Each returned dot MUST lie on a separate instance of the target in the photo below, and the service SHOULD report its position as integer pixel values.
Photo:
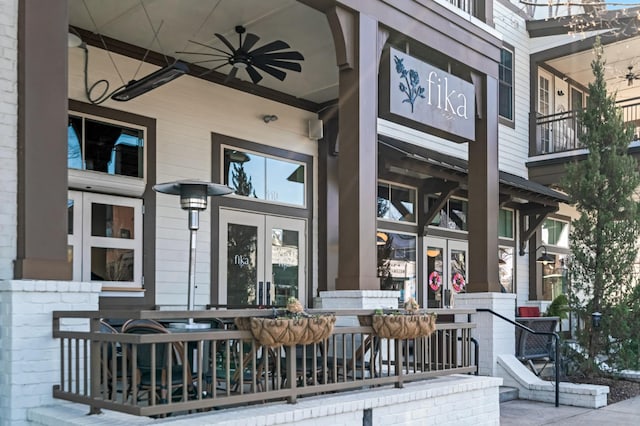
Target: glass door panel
(242, 268)
(445, 271)
(286, 260)
(435, 274)
(264, 259)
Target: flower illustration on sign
(411, 85)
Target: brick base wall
(453, 400)
(29, 356)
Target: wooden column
(356, 38)
(42, 141)
(484, 191)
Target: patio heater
(193, 198)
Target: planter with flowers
(409, 323)
(295, 327)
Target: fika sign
(429, 96)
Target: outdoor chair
(361, 363)
(536, 347)
(149, 372)
(111, 362)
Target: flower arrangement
(293, 327)
(408, 324)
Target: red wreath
(435, 281)
(457, 282)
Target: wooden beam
(536, 217)
(446, 191)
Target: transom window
(105, 147)
(453, 215)
(555, 233)
(396, 202)
(265, 178)
(505, 223)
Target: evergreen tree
(604, 237)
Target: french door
(262, 259)
(445, 270)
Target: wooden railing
(217, 367)
(561, 132)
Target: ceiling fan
(267, 58)
(630, 76)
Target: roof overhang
(422, 163)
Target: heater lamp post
(193, 198)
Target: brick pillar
(495, 336)
(29, 356)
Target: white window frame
(502, 83)
(82, 241)
(568, 231)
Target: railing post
(399, 363)
(94, 365)
(291, 373)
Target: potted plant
(294, 327)
(409, 323)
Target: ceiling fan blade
(211, 60)
(231, 75)
(249, 41)
(290, 55)
(226, 42)
(270, 47)
(255, 75)
(212, 69)
(209, 47)
(293, 66)
(280, 75)
(181, 52)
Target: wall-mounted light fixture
(269, 118)
(544, 258)
(560, 92)
(595, 319)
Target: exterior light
(595, 319)
(193, 198)
(544, 258)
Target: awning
(405, 158)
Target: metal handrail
(542, 333)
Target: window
(506, 84)
(505, 269)
(397, 263)
(396, 202)
(109, 148)
(555, 233)
(265, 178)
(105, 239)
(452, 216)
(555, 277)
(505, 223)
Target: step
(508, 393)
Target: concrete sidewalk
(531, 413)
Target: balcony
(221, 366)
(560, 133)
(474, 8)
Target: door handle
(268, 292)
(260, 293)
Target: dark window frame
(504, 85)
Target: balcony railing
(469, 6)
(561, 132)
(203, 369)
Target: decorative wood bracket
(536, 216)
(446, 190)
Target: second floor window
(506, 84)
